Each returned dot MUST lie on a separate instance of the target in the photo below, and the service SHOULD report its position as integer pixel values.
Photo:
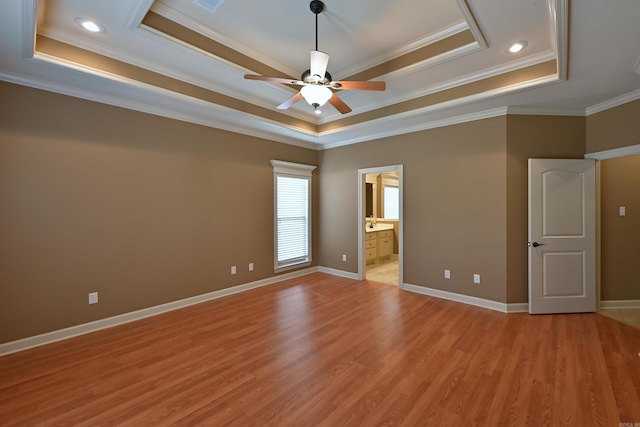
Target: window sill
(292, 266)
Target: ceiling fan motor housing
(308, 78)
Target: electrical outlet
(250, 266)
(344, 257)
(93, 298)
(476, 279)
(447, 274)
(622, 211)
(233, 269)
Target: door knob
(535, 244)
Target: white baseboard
(341, 273)
(85, 328)
(613, 304)
(478, 302)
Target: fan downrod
(316, 6)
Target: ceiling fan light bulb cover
(316, 94)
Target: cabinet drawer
(385, 233)
(370, 255)
(370, 244)
(370, 236)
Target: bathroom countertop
(379, 227)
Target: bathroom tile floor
(630, 316)
(386, 271)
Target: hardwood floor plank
(322, 350)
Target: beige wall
(620, 236)
(614, 128)
(142, 209)
(147, 210)
(532, 137)
(454, 205)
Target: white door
(562, 236)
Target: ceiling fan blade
(319, 62)
(289, 102)
(339, 104)
(350, 85)
(274, 79)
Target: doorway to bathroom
(380, 224)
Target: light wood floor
(328, 351)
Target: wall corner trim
(465, 299)
(85, 328)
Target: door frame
(362, 173)
(598, 156)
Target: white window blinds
(292, 232)
(292, 219)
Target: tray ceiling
(443, 62)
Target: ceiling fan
(317, 85)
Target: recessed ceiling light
(90, 25)
(517, 47)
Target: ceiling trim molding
(138, 14)
(195, 52)
(235, 121)
(614, 153)
(28, 34)
(559, 17)
(419, 66)
(470, 78)
(614, 102)
(188, 22)
(413, 46)
(473, 24)
(542, 111)
(417, 115)
(496, 112)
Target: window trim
(298, 170)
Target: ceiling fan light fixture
(316, 95)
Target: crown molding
(614, 153)
(211, 115)
(472, 23)
(614, 102)
(415, 120)
(139, 13)
(28, 15)
(542, 111)
(186, 21)
(559, 28)
(470, 78)
(426, 125)
(418, 44)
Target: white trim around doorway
(362, 173)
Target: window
(292, 189)
(391, 199)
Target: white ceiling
(596, 44)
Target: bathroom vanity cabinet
(378, 243)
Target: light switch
(622, 211)
(447, 274)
